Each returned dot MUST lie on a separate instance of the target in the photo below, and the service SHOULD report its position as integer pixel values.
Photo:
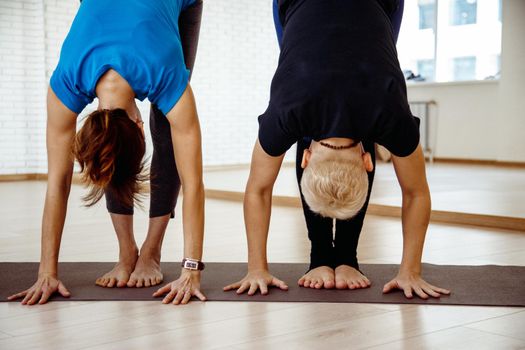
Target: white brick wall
(235, 62)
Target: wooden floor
(464, 188)
(229, 325)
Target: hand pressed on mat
(256, 280)
(410, 282)
(181, 290)
(41, 291)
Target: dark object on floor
(488, 285)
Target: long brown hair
(110, 149)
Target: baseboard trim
(497, 163)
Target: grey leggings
(164, 177)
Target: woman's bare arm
(257, 211)
(186, 139)
(60, 133)
(415, 217)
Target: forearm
(193, 219)
(257, 211)
(54, 216)
(415, 218)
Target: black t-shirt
(338, 76)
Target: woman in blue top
(117, 51)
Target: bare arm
(257, 211)
(258, 204)
(61, 126)
(415, 216)
(186, 138)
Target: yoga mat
(471, 285)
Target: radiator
(426, 111)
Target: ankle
(150, 252)
(127, 254)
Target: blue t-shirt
(139, 39)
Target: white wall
(463, 120)
(30, 33)
(511, 138)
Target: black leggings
(329, 249)
(164, 177)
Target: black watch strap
(192, 264)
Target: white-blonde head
(335, 187)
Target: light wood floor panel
(376, 329)
(511, 325)
(455, 338)
(237, 330)
(83, 335)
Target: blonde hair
(335, 188)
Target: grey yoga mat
(488, 285)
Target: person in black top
(337, 90)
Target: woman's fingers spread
(440, 290)
(186, 298)
(45, 296)
(35, 297)
(169, 297)
(263, 287)
(388, 287)
(420, 292)
(63, 290)
(199, 295)
(232, 286)
(280, 284)
(431, 292)
(245, 285)
(253, 288)
(408, 292)
(178, 297)
(17, 295)
(162, 290)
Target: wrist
(190, 273)
(43, 274)
(410, 269)
(258, 268)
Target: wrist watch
(192, 264)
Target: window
(426, 68)
(427, 14)
(463, 12)
(464, 68)
(436, 43)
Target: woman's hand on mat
(257, 280)
(410, 282)
(45, 286)
(181, 290)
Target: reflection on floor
(88, 236)
(475, 189)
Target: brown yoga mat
(471, 285)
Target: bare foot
(147, 271)
(120, 274)
(320, 277)
(347, 277)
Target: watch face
(191, 265)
